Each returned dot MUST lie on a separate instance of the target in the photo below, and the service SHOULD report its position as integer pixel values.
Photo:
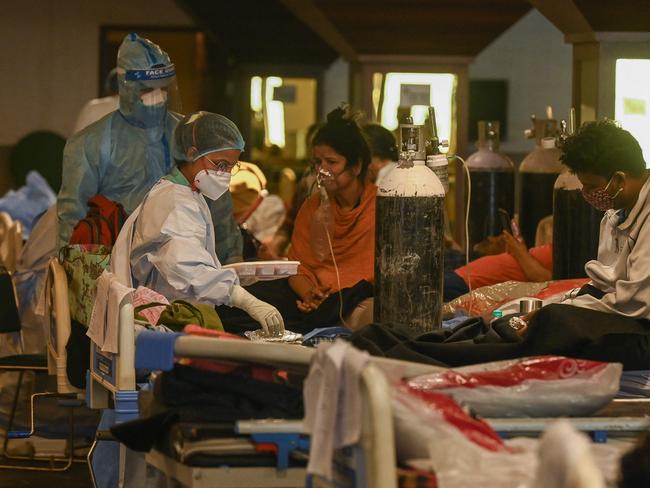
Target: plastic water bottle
(496, 315)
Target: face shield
(147, 94)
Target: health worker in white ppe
(169, 239)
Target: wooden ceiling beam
(567, 17)
(310, 15)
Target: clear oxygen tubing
(467, 208)
(324, 197)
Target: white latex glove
(267, 315)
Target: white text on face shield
(154, 97)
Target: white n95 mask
(154, 97)
(212, 183)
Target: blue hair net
(207, 132)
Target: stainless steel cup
(529, 304)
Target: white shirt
(622, 269)
(94, 110)
(267, 218)
(170, 241)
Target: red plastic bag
(434, 434)
(543, 386)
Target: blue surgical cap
(207, 132)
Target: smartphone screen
(509, 224)
(514, 228)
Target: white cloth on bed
(622, 269)
(333, 403)
(103, 328)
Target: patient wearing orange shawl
(353, 241)
(340, 155)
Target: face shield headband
(161, 74)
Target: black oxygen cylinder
(491, 190)
(409, 250)
(493, 184)
(576, 229)
(536, 202)
(537, 175)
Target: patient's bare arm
(532, 268)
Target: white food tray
(252, 271)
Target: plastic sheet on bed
(482, 301)
(433, 432)
(545, 386)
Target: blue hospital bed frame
(113, 375)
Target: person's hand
(269, 318)
(490, 246)
(451, 244)
(267, 315)
(311, 300)
(514, 247)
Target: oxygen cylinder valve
(433, 143)
(530, 133)
(564, 133)
(412, 146)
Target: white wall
(49, 57)
(537, 63)
(336, 87)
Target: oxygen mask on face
(322, 223)
(323, 176)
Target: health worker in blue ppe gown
(122, 155)
(168, 242)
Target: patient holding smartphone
(515, 263)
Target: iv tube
(325, 211)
